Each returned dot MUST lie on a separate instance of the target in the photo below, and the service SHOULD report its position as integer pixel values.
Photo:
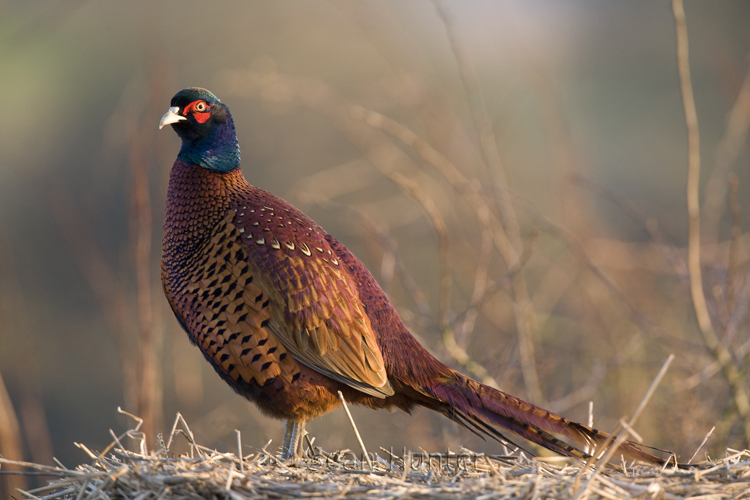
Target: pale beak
(170, 117)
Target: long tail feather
(489, 412)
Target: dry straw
(119, 472)
(205, 473)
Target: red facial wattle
(200, 116)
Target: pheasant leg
(298, 433)
(287, 444)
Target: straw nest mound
(118, 473)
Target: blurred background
(513, 174)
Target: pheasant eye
(200, 107)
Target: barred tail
(489, 412)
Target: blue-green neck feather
(218, 150)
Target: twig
(230, 476)
(137, 419)
(88, 452)
(471, 190)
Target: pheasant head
(206, 128)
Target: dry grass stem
(239, 451)
(185, 431)
(356, 431)
(128, 476)
(618, 437)
(701, 445)
(651, 389)
(467, 474)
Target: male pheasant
(288, 316)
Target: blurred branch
(500, 283)
(740, 352)
(694, 264)
(727, 151)
(735, 309)
(582, 393)
(667, 249)
(35, 425)
(449, 339)
(470, 190)
(737, 314)
(107, 287)
(523, 309)
(492, 230)
(480, 280)
(141, 137)
(693, 179)
(10, 438)
(734, 248)
(598, 372)
(478, 109)
(469, 316)
(433, 214)
(643, 321)
(737, 302)
(17, 314)
(141, 380)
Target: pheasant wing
(316, 311)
